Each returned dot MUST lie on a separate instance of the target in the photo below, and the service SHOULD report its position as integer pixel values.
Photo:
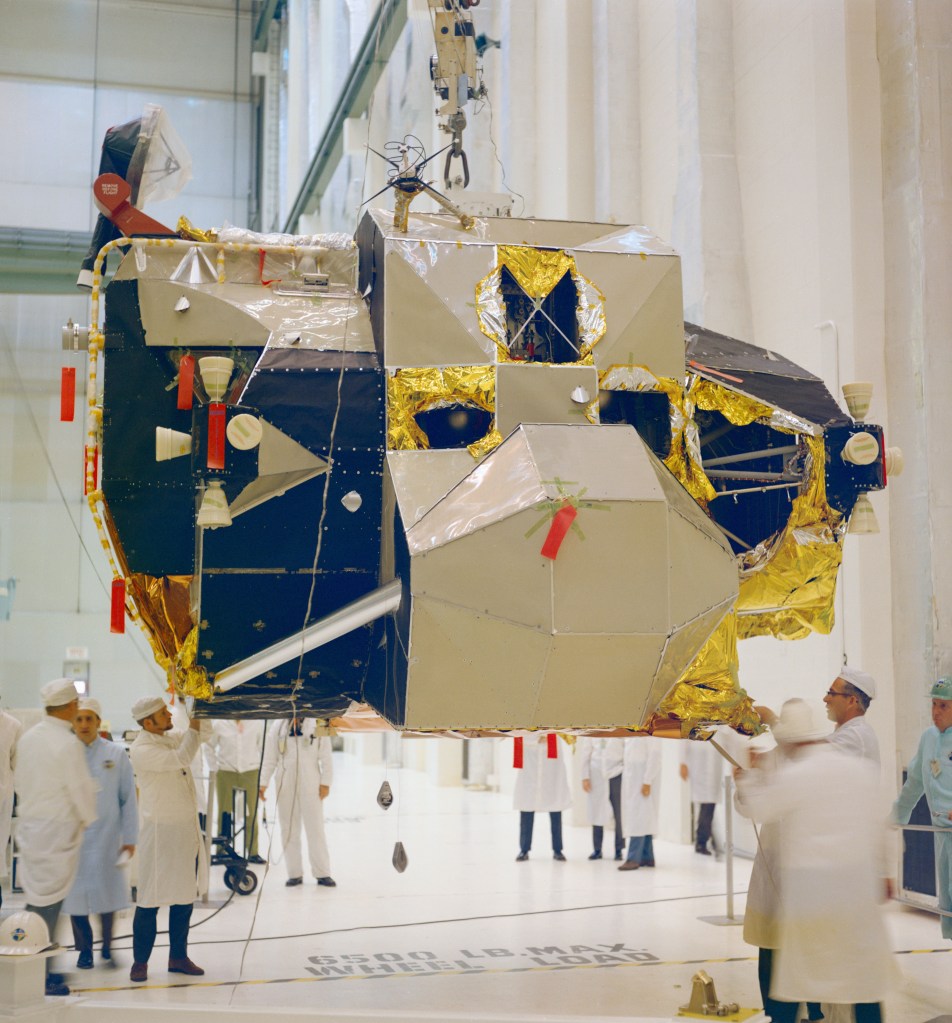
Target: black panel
(155, 523)
(754, 514)
(647, 411)
(456, 426)
(845, 481)
(761, 374)
(301, 391)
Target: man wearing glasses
(847, 701)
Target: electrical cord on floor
(463, 919)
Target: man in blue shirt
(101, 884)
(930, 773)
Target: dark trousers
(705, 818)
(83, 932)
(50, 915)
(598, 832)
(144, 930)
(526, 820)
(786, 1012)
(641, 850)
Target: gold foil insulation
(164, 606)
(537, 272)
(186, 229)
(709, 690)
(191, 679)
(788, 582)
(411, 391)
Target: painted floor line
(445, 973)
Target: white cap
(88, 703)
(59, 692)
(860, 680)
(146, 706)
(800, 722)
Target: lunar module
(465, 474)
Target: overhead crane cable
(76, 527)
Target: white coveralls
(170, 844)
(639, 813)
(57, 802)
(600, 761)
(833, 945)
(857, 738)
(300, 765)
(10, 731)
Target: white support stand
(23, 986)
(730, 920)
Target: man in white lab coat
(10, 731)
(234, 755)
(301, 764)
(171, 868)
(847, 701)
(640, 797)
(541, 785)
(832, 944)
(600, 767)
(57, 800)
(703, 768)
(102, 883)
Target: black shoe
(597, 855)
(558, 856)
(327, 882)
(85, 961)
(522, 857)
(293, 882)
(618, 856)
(106, 953)
(56, 989)
(56, 978)
(257, 859)
(703, 850)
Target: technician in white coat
(301, 763)
(541, 785)
(640, 796)
(10, 731)
(172, 868)
(703, 768)
(833, 945)
(600, 767)
(57, 802)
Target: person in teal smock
(102, 884)
(930, 772)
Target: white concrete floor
(468, 933)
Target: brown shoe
(629, 865)
(139, 972)
(185, 966)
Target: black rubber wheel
(245, 882)
(230, 876)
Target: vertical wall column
(616, 117)
(915, 54)
(708, 228)
(297, 135)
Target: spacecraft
(464, 474)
